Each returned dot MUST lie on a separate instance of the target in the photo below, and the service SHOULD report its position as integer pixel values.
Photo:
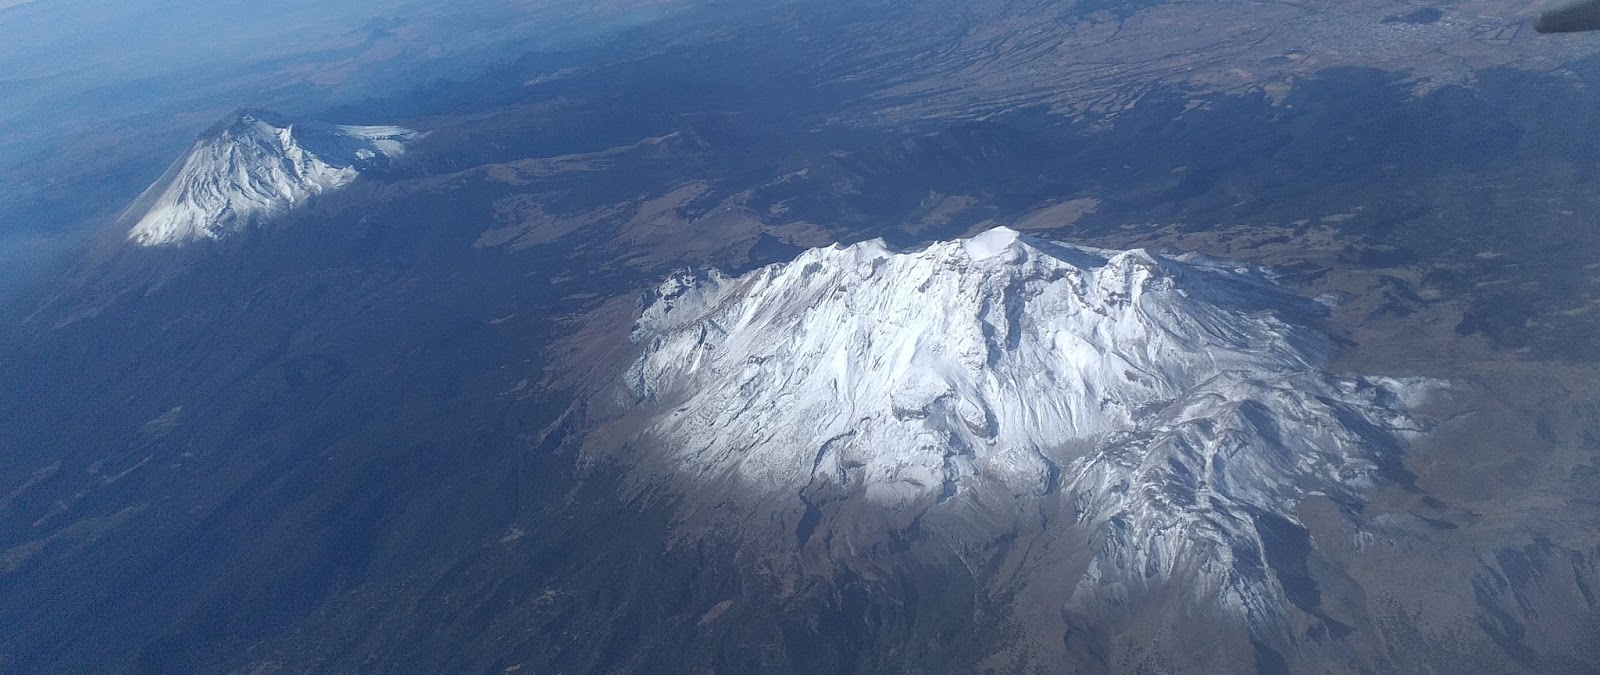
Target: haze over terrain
(1006, 336)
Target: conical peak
(246, 115)
(254, 165)
(247, 120)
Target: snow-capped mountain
(1166, 403)
(253, 166)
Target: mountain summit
(252, 166)
(1169, 408)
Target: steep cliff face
(251, 167)
(1172, 411)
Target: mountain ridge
(1166, 409)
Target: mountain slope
(251, 167)
(1173, 410)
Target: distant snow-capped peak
(1175, 401)
(252, 166)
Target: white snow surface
(1173, 399)
(963, 359)
(253, 167)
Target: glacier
(1168, 403)
(251, 167)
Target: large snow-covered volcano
(1171, 401)
(252, 166)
